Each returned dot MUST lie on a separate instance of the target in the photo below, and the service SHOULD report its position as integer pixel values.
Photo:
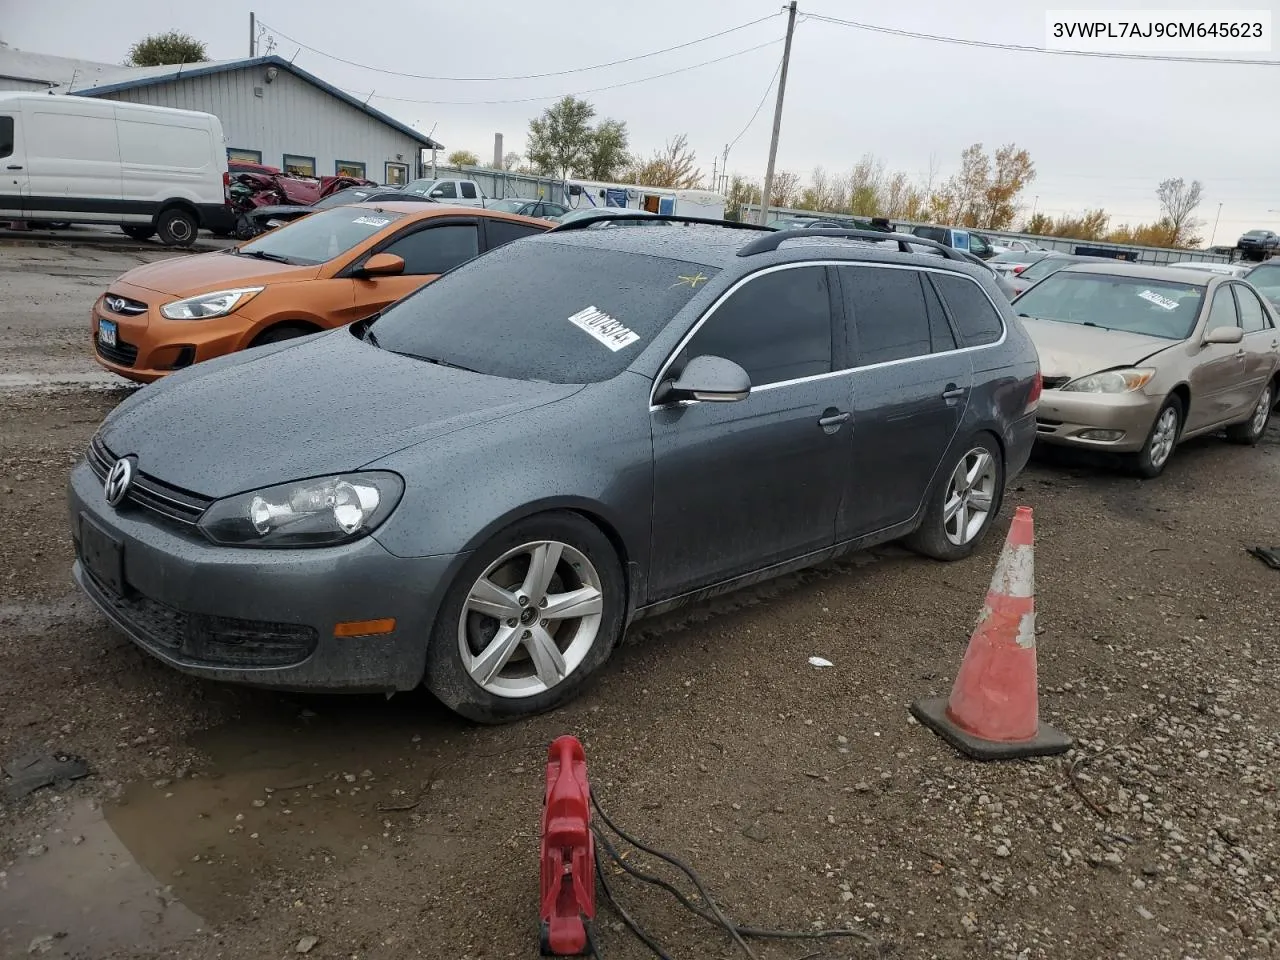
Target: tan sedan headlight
(1112, 381)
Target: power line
(530, 76)
(759, 106)
(1025, 48)
(579, 93)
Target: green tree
(463, 158)
(563, 142)
(607, 153)
(164, 48)
(1040, 224)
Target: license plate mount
(107, 333)
(102, 554)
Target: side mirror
(382, 265)
(711, 379)
(437, 193)
(1224, 335)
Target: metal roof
(106, 82)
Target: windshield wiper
(446, 363)
(368, 336)
(263, 255)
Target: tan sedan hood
(1071, 350)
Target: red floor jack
(568, 853)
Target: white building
(272, 112)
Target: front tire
(528, 619)
(176, 227)
(1150, 461)
(1250, 431)
(963, 502)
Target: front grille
(202, 639)
(123, 306)
(122, 354)
(149, 494)
(1053, 383)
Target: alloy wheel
(971, 496)
(1163, 435)
(530, 619)
(1262, 413)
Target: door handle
(833, 420)
(14, 166)
(952, 392)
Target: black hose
(626, 918)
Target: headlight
(209, 305)
(308, 513)
(1112, 381)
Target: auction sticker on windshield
(371, 221)
(608, 330)
(1158, 300)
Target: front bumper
(1064, 416)
(262, 617)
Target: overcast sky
(1101, 132)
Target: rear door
(428, 250)
(1260, 339)
(1217, 393)
(13, 178)
(911, 385)
(498, 231)
(468, 194)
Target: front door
(911, 386)
(1217, 379)
(13, 159)
(1260, 341)
(744, 485)
(428, 250)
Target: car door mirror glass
(437, 193)
(383, 265)
(711, 379)
(1224, 335)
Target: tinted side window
(977, 320)
(941, 336)
(1223, 311)
(504, 231)
(6, 136)
(468, 191)
(1252, 317)
(447, 190)
(887, 313)
(437, 249)
(777, 327)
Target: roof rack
(904, 240)
(583, 222)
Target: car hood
(1071, 350)
(207, 272)
(319, 405)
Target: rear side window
(937, 234)
(468, 191)
(776, 327)
(504, 231)
(887, 313)
(1252, 317)
(975, 317)
(437, 249)
(6, 136)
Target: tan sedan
(1136, 359)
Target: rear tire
(288, 331)
(1150, 461)
(139, 232)
(177, 227)
(964, 501)
(1250, 431)
(490, 668)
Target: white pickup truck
(462, 193)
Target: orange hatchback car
(327, 269)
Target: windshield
(1154, 308)
(508, 206)
(1257, 233)
(350, 195)
(1017, 256)
(320, 237)
(1267, 279)
(542, 310)
(1042, 268)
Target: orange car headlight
(209, 305)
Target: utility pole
(777, 115)
(724, 171)
(253, 35)
(713, 172)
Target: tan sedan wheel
(1150, 461)
(1250, 431)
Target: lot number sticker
(608, 330)
(1158, 300)
(371, 221)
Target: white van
(152, 170)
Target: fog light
(1101, 434)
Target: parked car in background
(458, 193)
(480, 488)
(1017, 245)
(1258, 244)
(1265, 277)
(601, 212)
(542, 209)
(153, 171)
(246, 166)
(1136, 358)
(965, 240)
(1014, 262)
(1047, 266)
(1204, 266)
(261, 219)
(322, 271)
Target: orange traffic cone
(993, 712)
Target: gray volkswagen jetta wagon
(479, 489)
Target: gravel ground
(231, 823)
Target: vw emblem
(118, 481)
(115, 304)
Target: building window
(349, 168)
(296, 166)
(235, 154)
(397, 174)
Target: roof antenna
(73, 79)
